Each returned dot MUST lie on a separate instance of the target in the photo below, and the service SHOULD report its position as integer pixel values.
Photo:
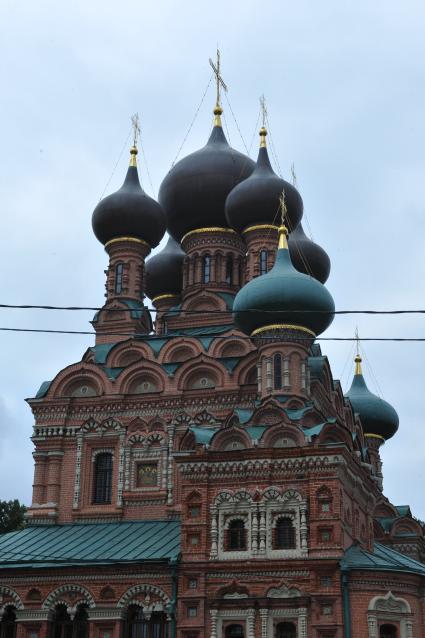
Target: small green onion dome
(129, 212)
(377, 416)
(283, 297)
(164, 271)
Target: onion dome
(256, 200)
(308, 257)
(164, 271)
(283, 298)
(377, 416)
(129, 212)
(195, 190)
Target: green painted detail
(256, 431)
(331, 419)
(43, 389)
(382, 558)
(404, 510)
(170, 368)
(137, 308)
(203, 435)
(89, 544)
(154, 343)
(206, 342)
(282, 398)
(230, 363)
(112, 373)
(314, 431)
(200, 332)
(243, 414)
(316, 366)
(102, 351)
(386, 523)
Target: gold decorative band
(211, 229)
(120, 239)
(282, 326)
(167, 296)
(374, 436)
(260, 227)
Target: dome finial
(220, 84)
(135, 123)
(357, 358)
(263, 130)
(283, 231)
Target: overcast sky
(345, 87)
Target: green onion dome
(283, 297)
(377, 416)
(256, 199)
(194, 192)
(164, 271)
(308, 257)
(129, 212)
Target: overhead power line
(412, 311)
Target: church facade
(205, 476)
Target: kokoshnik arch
(206, 476)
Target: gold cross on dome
(263, 109)
(283, 210)
(219, 80)
(135, 123)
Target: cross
(263, 109)
(294, 175)
(356, 334)
(135, 123)
(219, 80)
(283, 209)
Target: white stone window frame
(392, 610)
(272, 617)
(226, 516)
(287, 505)
(147, 456)
(244, 617)
(273, 516)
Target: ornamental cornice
(109, 578)
(246, 576)
(258, 467)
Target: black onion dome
(308, 257)
(378, 417)
(256, 200)
(129, 212)
(164, 271)
(194, 192)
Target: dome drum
(283, 333)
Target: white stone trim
(297, 615)
(243, 616)
(390, 609)
(55, 596)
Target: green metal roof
(382, 558)
(404, 510)
(88, 544)
(43, 389)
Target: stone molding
(56, 595)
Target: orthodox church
(203, 475)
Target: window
(234, 631)
(147, 475)
(153, 625)
(326, 581)
(388, 631)
(325, 535)
(263, 262)
(194, 511)
(102, 484)
(286, 630)
(192, 612)
(194, 540)
(237, 535)
(193, 583)
(284, 534)
(119, 268)
(277, 371)
(8, 623)
(63, 627)
(206, 269)
(229, 270)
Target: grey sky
(345, 87)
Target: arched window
(236, 535)
(139, 625)
(263, 262)
(234, 631)
(102, 483)
(229, 270)
(63, 627)
(8, 623)
(284, 534)
(388, 631)
(206, 269)
(286, 630)
(277, 371)
(118, 278)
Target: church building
(200, 473)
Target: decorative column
(39, 485)
(121, 453)
(264, 615)
(302, 623)
(170, 432)
(259, 365)
(303, 528)
(409, 628)
(269, 374)
(77, 479)
(250, 621)
(286, 376)
(54, 476)
(254, 532)
(303, 376)
(262, 531)
(373, 626)
(214, 613)
(214, 533)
